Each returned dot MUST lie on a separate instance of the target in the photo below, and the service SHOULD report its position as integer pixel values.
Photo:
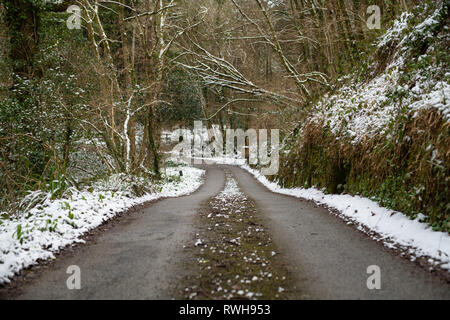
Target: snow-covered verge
(394, 229)
(52, 225)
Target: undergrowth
(405, 166)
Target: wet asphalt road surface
(142, 256)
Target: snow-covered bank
(49, 227)
(364, 109)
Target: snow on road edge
(49, 228)
(393, 228)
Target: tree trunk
(22, 18)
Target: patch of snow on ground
(358, 110)
(396, 31)
(438, 96)
(231, 189)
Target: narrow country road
(142, 257)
